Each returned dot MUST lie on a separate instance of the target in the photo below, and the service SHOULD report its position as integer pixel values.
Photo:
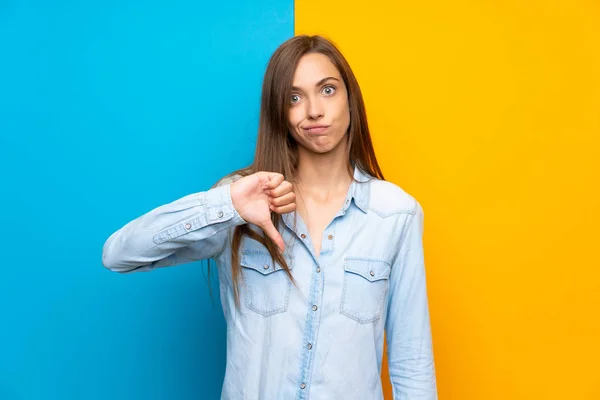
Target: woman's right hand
(256, 196)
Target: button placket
(315, 298)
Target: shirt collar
(359, 190)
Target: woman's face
(319, 114)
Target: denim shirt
(321, 339)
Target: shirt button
(330, 237)
(266, 266)
(309, 346)
(220, 214)
(314, 308)
(318, 269)
(372, 273)
(303, 236)
(303, 386)
(188, 226)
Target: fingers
(275, 180)
(272, 232)
(283, 200)
(284, 203)
(284, 209)
(283, 188)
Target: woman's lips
(317, 129)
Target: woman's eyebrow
(322, 81)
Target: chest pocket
(366, 283)
(266, 285)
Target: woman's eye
(295, 98)
(328, 90)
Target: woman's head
(318, 113)
(309, 84)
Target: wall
(107, 110)
(486, 111)
(489, 113)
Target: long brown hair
(277, 151)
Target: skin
(319, 117)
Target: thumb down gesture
(256, 196)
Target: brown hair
(276, 150)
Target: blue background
(109, 109)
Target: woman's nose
(314, 109)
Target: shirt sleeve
(408, 332)
(189, 229)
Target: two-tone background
(488, 112)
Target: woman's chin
(320, 149)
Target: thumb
(273, 233)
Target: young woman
(317, 255)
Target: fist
(256, 196)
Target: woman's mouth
(315, 129)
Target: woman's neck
(323, 173)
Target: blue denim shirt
(323, 338)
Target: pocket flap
(371, 270)
(261, 261)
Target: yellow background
(488, 112)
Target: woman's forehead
(312, 68)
